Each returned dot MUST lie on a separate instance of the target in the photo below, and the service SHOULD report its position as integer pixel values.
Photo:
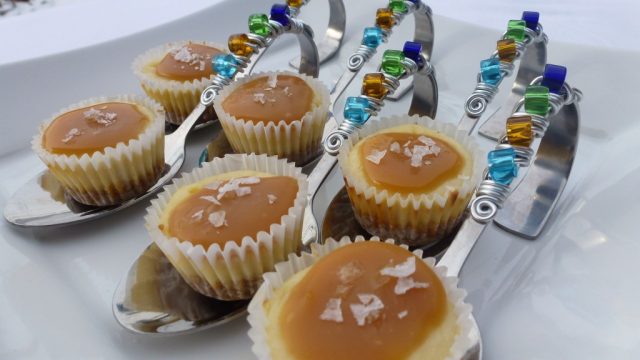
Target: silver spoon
(42, 202)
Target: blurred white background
(72, 24)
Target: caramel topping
(270, 99)
(367, 300)
(91, 129)
(230, 210)
(189, 62)
(405, 163)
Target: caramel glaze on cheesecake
(270, 99)
(93, 128)
(189, 62)
(217, 210)
(367, 300)
(409, 163)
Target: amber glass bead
(519, 131)
(507, 50)
(373, 86)
(384, 18)
(295, 3)
(239, 45)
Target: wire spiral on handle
(489, 198)
(483, 93)
(257, 43)
(336, 138)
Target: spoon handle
(174, 142)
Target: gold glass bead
(239, 45)
(384, 18)
(519, 131)
(373, 85)
(507, 50)
(295, 3)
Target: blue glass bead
(502, 165)
(553, 77)
(413, 50)
(531, 18)
(355, 109)
(372, 37)
(490, 71)
(224, 65)
(281, 14)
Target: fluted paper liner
(413, 219)
(233, 271)
(115, 174)
(298, 141)
(285, 270)
(178, 98)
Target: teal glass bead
(372, 37)
(224, 65)
(490, 71)
(536, 100)
(502, 165)
(355, 109)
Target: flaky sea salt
(332, 311)
(198, 215)
(395, 147)
(259, 97)
(349, 272)
(217, 218)
(100, 117)
(417, 154)
(243, 191)
(426, 140)
(368, 310)
(401, 270)
(184, 54)
(213, 185)
(211, 199)
(71, 134)
(271, 198)
(234, 186)
(272, 82)
(286, 91)
(376, 156)
(405, 284)
(403, 314)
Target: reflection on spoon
(154, 299)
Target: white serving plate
(571, 294)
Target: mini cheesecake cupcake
(225, 224)
(175, 74)
(410, 178)
(359, 300)
(104, 151)
(274, 113)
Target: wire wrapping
(257, 43)
(484, 93)
(336, 138)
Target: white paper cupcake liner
(413, 219)
(115, 174)
(285, 270)
(179, 98)
(233, 271)
(298, 141)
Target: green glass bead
(259, 24)
(392, 62)
(515, 30)
(536, 100)
(398, 6)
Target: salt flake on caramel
(376, 156)
(368, 310)
(332, 311)
(401, 270)
(211, 199)
(272, 199)
(407, 283)
(217, 218)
